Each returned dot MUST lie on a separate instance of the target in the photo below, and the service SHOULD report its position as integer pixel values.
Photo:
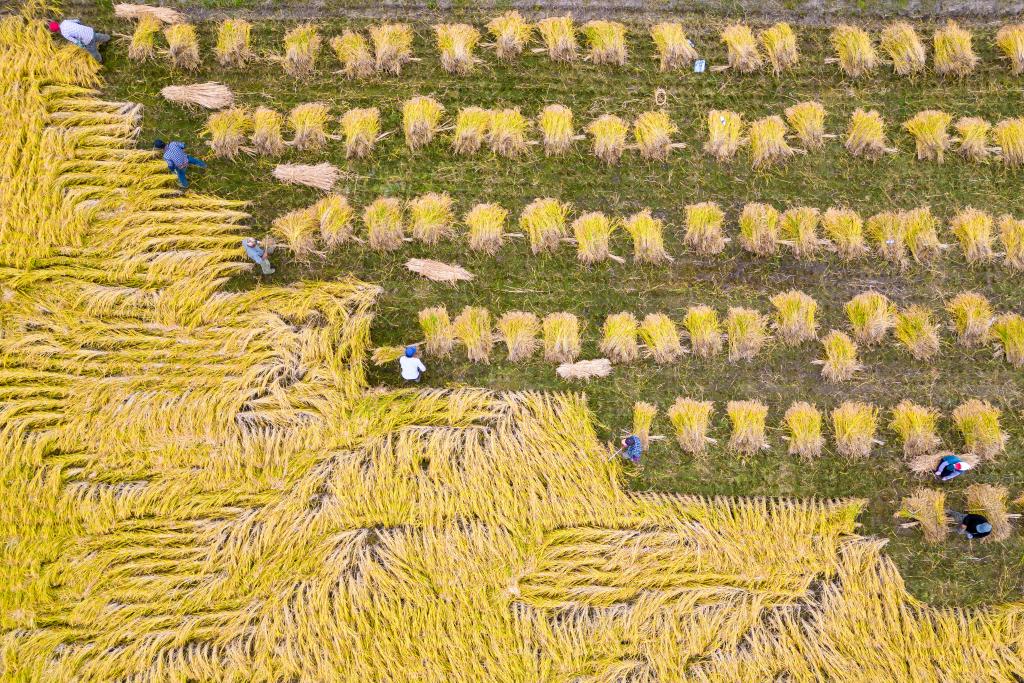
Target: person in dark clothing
(950, 467)
(970, 524)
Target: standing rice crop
(759, 229)
(674, 49)
(486, 223)
(609, 133)
(725, 134)
(143, 43)
(803, 425)
(989, 501)
(506, 132)
(742, 49)
(471, 124)
(921, 232)
(648, 235)
(779, 43)
(308, 123)
(871, 315)
(543, 220)
(437, 331)
(511, 33)
(978, 424)
(768, 145)
(420, 119)
(431, 217)
(1011, 234)
(799, 228)
(795, 317)
(917, 332)
(301, 47)
(845, 229)
(853, 425)
(335, 215)
(592, 231)
(704, 228)
(472, 327)
(660, 336)
(643, 417)
(384, 224)
(840, 362)
(866, 135)
(747, 332)
(972, 318)
(559, 35)
(954, 54)
(519, 331)
(455, 43)
(227, 131)
(182, 46)
(555, 122)
(928, 508)
(392, 46)
(266, 135)
(705, 331)
(974, 230)
(653, 131)
(232, 47)
(1008, 329)
(901, 42)
(854, 50)
(690, 419)
(808, 122)
(354, 54)
(297, 229)
(561, 337)
(1010, 39)
(916, 426)
(606, 41)
(1008, 135)
(361, 130)
(888, 230)
(747, 418)
(973, 132)
(930, 131)
(618, 338)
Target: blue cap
(984, 528)
(410, 351)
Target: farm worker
(951, 467)
(85, 37)
(260, 254)
(970, 524)
(632, 449)
(177, 160)
(412, 367)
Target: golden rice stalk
(301, 47)
(555, 123)
(308, 122)
(653, 131)
(133, 12)
(561, 337)
(606, 40)
(506, 132)
(207, 95)
(335, 215)
(420, 119)
(928, 508)
(704, 228)
(803, 425)
(989, 501)
(511, 33)
(618, 338)
(799, 228)
(747, 418)
(472, 327)
(1010, 39)
(972, 318)
(974, 229)
(840, 362)
(691, 419)
(266, 135)
(143, 43)
(559, 37)
(746, 330)
(978, 424)
(354, 54)
(725, 131)
(322, 176)
(297, 229)
(1011, 234)
(1008, 135)
(973, 132)
(232, 47)
(871, 315)
(888, 230)
(759, 229)
(384, 225)
(660, 336)
(182, 46)
(361, 130)
(431, 217)
(643, 418)
(609, 133)
(392, 46)
(648, 235)
(854, 424)
(437, 331)
(916, 331)
(795, 317)
(543, 220)
(808, 122)
(866, 135)
(471, 126)
(742, 50)
(920, 229)
(456, 43)
(857, 56)
(519, 331)
(916, 426)
(486, 224)
(227, 130)
(592, 232)
(1008, 329)
(768, 145)
(674, 48)
(901, 42)
(386, 355)
(954, 54)
(930, 131)
(704, 330)
(779, 43)
(845, 229)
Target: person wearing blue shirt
(259, 254)
(632, 449)
(950, 467)
(177, 160)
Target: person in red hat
(85, 37)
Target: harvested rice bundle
(618, 338)
(974, 229)
(297, 229)
(592, 232)
(437, 331)
(511, 33)
(308, 123)
(795, 317)
(674, 49)
(989, 501)
(747, 418)
(973, 132)
(803, 424)
(928, 508)
(227, 130)
(904, 47)
(585, 369)
(690, 419)
(653, 131)
(725, 130)
(972, 318)
(561, 337)
(555, 123)
(871, 315)
(232, 47)
(888, 230)
(354, 54)
(543, 220)
(519, 331)
(301, 46)
(506, 133)
(704, 228)
(486, 224)
(866, 135)
(931, 136)
(854, 424)
(559, 37)
(808, 121)
(607, 42)
(768, 144)
(1011, 234)
(471, 125)
(361, 130)
(742, 50)
(392, 46)
(1008, 135)
(799, 228)
(472, 327)
(643, 418)
(916, 331)
(659, 334)
(132, 12)
(701, 323)
(840, 362)
(384, 226)
(431, 217)
(1010, 39)
(916, 427)
(143, 44)
(322, 176)
(953, 51)
(335, 216)
(759, 229)
(779, 43)
(920, 228)
(609, 132)
(1008, 329)
(648, 235)
(420, 119)
(747, 332)
(456, 43)
(266, 131)
(845, 229)
(854, 50)
(978, 424)
(207, 95)
(182, 46)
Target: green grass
(951, 573)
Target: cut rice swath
(619, 338)
(648, 237)
(392, 47)
(808, 122)
(928, 508)
(232, 48)
(845, 229)
(643, 417)
(779, 43)
(660, 336)
(354, 54)
(853, 425)
(431, 217)
(511, 33)
(437, 331)
(901, 42)
(742, 49)
(798, 227)
(975, 231)
(486, 223)
(592, 232)
(748, 428)
(704, 228)
(855, 53)
(385, 355)
(361, 129)
(210, 95)
(561, 337)
(266, 137)
(384, 224)
(609, 133)
(954, 54)
(585, 369)
(519, 330)
(559, 35)
(555, 123)
(143, 43)
(972, 318)
(840, 362)
(795, 317)
(704, 330)
(301, 47)
(691, 419)
(543, 220)
(803, 425)
(606, 41)
(455, 43)
(438, 271)
(471, 125)
(182, 46)
(917, 428)
(322, 176)
(472, 327)
(674, 49)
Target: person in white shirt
(412, 367)
(85, 37)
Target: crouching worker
(412, 367)
(950, 467)
(85, 37)
(177, 161)
(632, 449)
(260, 254)
(970, 525)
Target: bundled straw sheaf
(978, 424)
(606, 41)
(748, 426)
(802, 421)
(1008, 330)
(808, 122)
(592, 231)
(609, 133)
(431, 217)
(975, 231)
(845, 229)
(555, 123)
(232, 48)
(385, 226)
(989, 500)
(511, 33)
(421, 117)
(747, 333)
(779, 43)
(901, 42)
(973, 132)
(308, 123)
(972, 318)
(207, 95)
(854, 425)
(559, 35)
(182, 46)
(437, 331)
(227, 131)
(768, 145)
(795, 317)
(143, 42)
(486, 223)
(840, 362)
(690, 419)
(506, 132)
(322, 176)
(871, 315)
(725, 134)
(471, 124)
(335, 216)
(798, 228)
(519, 330)
(1011, 234)
(917, 428)
(456, 43)
(353, 52)
(930, 131)
(866, 135)
(704, 228)
(928, 508)
(392, 47)
(917, 332)
(473, 328)
(1010, 39)
(619, 338)
(953, 52)
(298, 230)
(704, 329)
(301, 47)
(266, 137)
(643, 417)
(653, 131)
(1008, 135)
(742, 49)
(660, 336)
(854, 50)
(674, 49)
(648, 235)
(544, 222)
(361, 129)
(561, 337)
(759, 229)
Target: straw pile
(322, 176)
(438, 271)
(210, 95)
(585, 369)
(131, 11)
(917, 427)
